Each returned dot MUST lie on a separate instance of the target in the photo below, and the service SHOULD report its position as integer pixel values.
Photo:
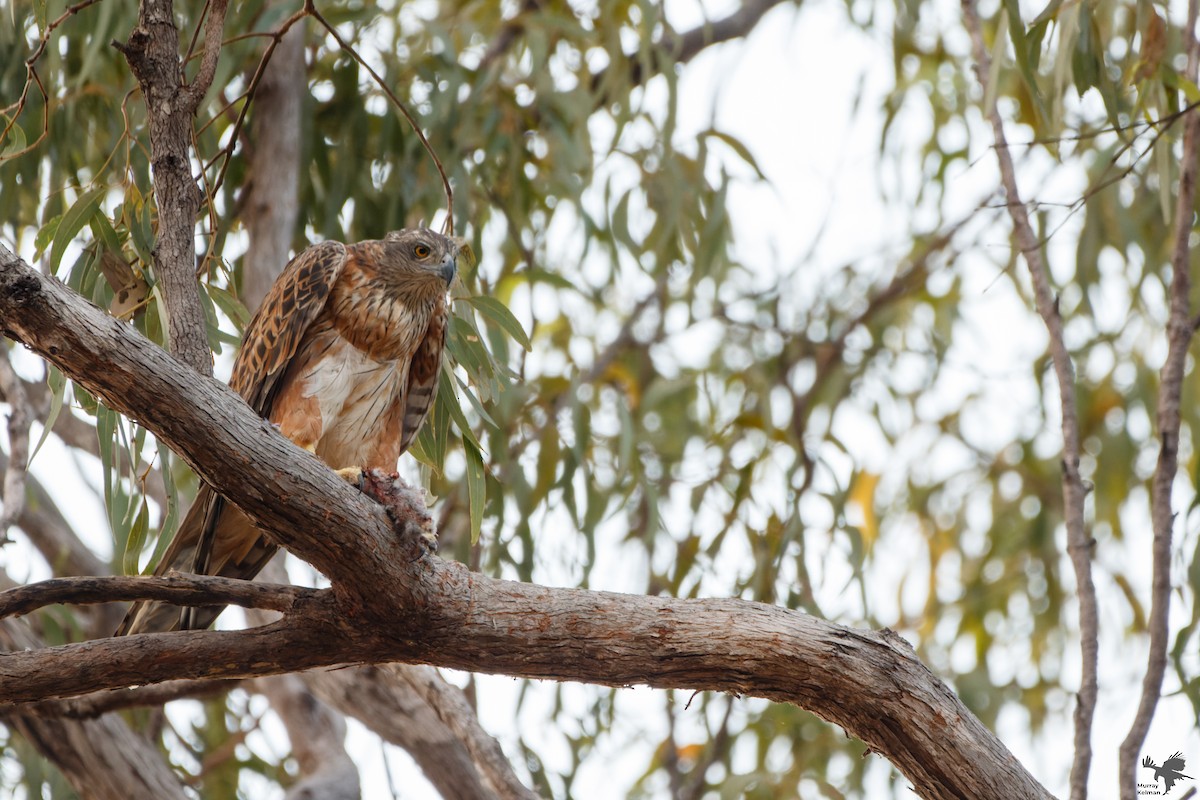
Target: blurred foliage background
(673, 406)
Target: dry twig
(1180, 330)
(1079, 542)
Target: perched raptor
(343, 356)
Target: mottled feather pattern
(344, 356)
(294, 302)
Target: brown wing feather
(423, 375)
(228, 540)
(289, 309)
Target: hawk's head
(423, 254)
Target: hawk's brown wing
(211, 528)
(274, 334)
(423, 374)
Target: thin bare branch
(188, 590)
(91, 706)
(20, 416)
(270, 200)
(448, 224)
(33, 79)
(683, 47)
(227, 153)
(1079, 542)
(1180, 330)
(194, 92)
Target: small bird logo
(1170, 771)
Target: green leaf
(137, 538)
(476, 489)
(1086, 62)
(452, 405)
(1026, 59)
(14, 142)
(106, 428)
(139, 218)
(549, 451)
(57, 382)
(166, 531)
(476, 405)
(230, 306)
(72, 222)
(1048, 13)
(45, 235)
(103, 232)
(738, 147)
(497, 312)
(620, 223)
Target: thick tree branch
(1079, 542)
(868, 682)
(185, 590)
(153, 55)
(270, 203)
(1180, 330)
(388, 605)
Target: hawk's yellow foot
(351, 475)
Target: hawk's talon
(427, 543)
(352, 476)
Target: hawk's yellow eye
(420, 251)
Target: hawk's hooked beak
(449, 267)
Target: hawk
(343, 356)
